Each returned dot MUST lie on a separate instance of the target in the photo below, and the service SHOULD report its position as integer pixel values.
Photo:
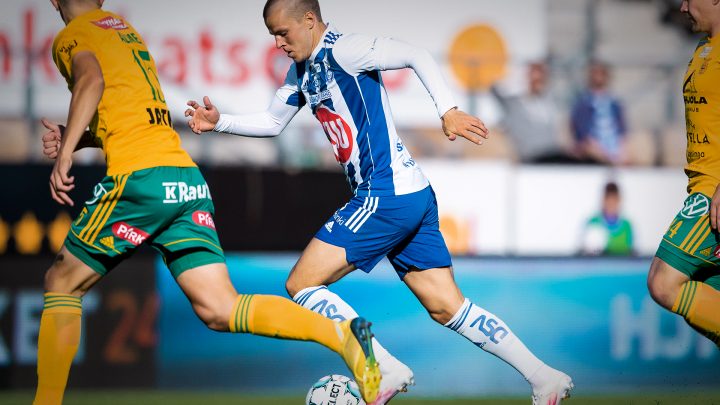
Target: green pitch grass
(199, 398)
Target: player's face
(697, 11)
(293, 35)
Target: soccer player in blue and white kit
(393, 212)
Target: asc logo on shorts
(696, 205)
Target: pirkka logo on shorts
(204, 218)
(131, 234)
(180, 192)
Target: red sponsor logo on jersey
(716, 252)
(204, 218)
(111, 23)
(131, 234)
(337, 131)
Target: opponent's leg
(322, 264)
(438, 293)
(67, 280)
(216, 302)
(695, 301)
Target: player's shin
(323, 301)
(491, 334)
(273, 316)
(699, 304)
(58, 341)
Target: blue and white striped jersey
(341, 84)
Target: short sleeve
(67, 44)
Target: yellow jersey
(132, 123)
(701, 92)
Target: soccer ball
(334, 390)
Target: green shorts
(690, 244)
(168, 207)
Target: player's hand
(52, 139)
(61, 183)
(459, 123)
(203, 118)
(715, 209)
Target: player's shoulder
(353, 48)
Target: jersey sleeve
(287, 102)
(67, 44)
(357, 53)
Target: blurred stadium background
(519, 229)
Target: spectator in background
(598, 121)
(532, 120)
(608, 233)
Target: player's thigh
(689, 250)
(437, 291)
(69, 275)
(211, 293)
(113, 223)
(320, 264)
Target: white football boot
(555, 387)
(396, 377)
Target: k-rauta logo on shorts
(696, 206)
(128, 232)
(180, 192)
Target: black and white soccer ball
(334, 390)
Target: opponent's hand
(203, 118)
(459, 123)
(60, 181)
(51, 140)
(715, 209)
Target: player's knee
(441, 315)
(59, 278)
(293, 286)
(661, 291)
(213, 317)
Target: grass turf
(131, 397)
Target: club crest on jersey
(695, 206)
(131, 234)
(203, 218)
(98, 192)
(111, 23)
(337, 131)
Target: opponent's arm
(86, 94)
(390, 54)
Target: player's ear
(100, 2)
(310, 19)
(55, 4)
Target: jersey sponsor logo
(204, 218)
(694, 137)
(695, 206)
(68, 46)
(98, 192)
(111, 23)
(695, 100)
(180, 192)
(131, 234)
(716, 252)
(689, 85)
(337, 131)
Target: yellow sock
(273, 316)
(699, 304)
(57, 344)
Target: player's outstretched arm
(87, 91)
(53, 138)
(459, 123)
(203, 118)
